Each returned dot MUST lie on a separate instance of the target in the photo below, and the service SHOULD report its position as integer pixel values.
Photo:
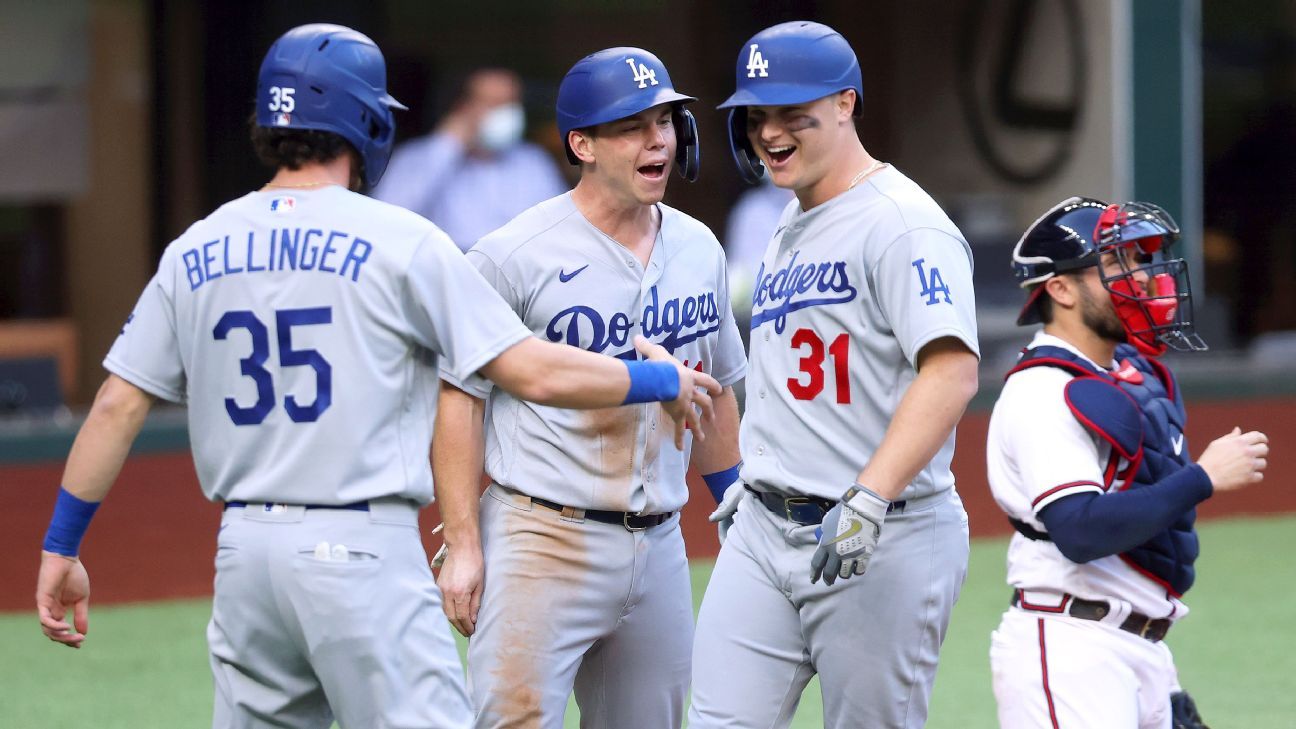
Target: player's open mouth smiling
(780, 154)
(653, 171)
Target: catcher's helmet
(333, 79)
(1152, 296)
(620, 82)
(788, 63)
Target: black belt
(804, 510)
(357, 506)
(1153, 629)
(632, 522)
(1028, 531)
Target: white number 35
(281, 98)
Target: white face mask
(501, 128)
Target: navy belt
(632, 522)
(357, 506)
(804, 510)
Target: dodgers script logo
(798, 286)
(681, 320)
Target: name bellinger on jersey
(281, 249)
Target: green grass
(146, 666)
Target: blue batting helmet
(788, 63)
(330, 78)
(620, 82)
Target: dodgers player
(1086, 456)
(863, 357)
(296, 322)
(586, 585)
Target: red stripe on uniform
(1048, 694)
(1056, 489)
(1109, 473)
(1062, 608)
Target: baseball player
(1086, 456)
(296, 323)
(586, 585)
(863, 357)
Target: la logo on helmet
(756, 62)
(642, 74)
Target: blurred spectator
(1251, 206)
(751, 224)
(474, 172)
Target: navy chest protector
(1138, 410)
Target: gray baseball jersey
(571, 604)
(571, 283)
(298, 327)
(847, 295)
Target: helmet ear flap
(749, 165)
(688, 152)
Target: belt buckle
(790, 501)
(1147, 625)
(625, 522)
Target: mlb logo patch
(282, 119)
(283, 205)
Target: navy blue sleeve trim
(1086, 526)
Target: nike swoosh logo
(851, 531)
(565, 277)
(1177, 443)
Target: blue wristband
(651, 382)
(69, 523)
(720, 481)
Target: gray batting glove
(723, 515)
(848, 535)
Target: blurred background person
(474, 172)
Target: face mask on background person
(501, 128)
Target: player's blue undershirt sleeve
(1087, 526)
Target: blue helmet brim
(613, 113)
(777, 94)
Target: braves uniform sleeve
(147, 353)
(1052, 453)
(455, 312)
(923, 284)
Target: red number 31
(812, 365)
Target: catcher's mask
(1152, 293)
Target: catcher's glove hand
(1183, 712)
(848, 535)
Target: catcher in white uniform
(863, 358)
(1086, 456)
(297, 323)
(585, 582)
